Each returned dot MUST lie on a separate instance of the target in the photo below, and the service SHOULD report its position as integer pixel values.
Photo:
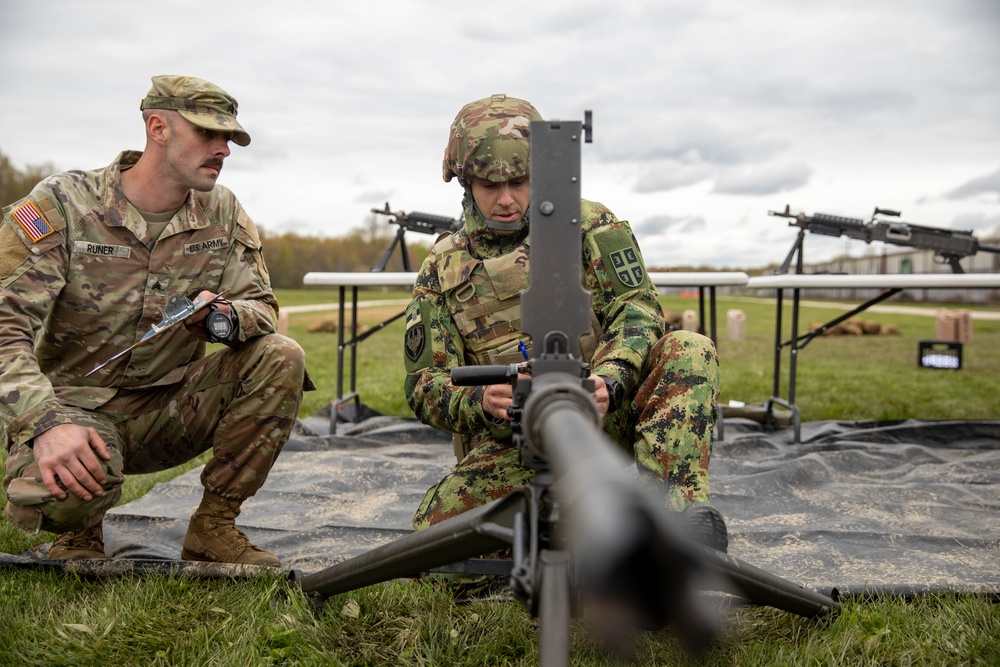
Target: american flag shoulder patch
(32, 221)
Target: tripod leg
(406, 254)
(396, 240)
(554, 609)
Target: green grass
(858, 377)
(61, 619)
(842, 377)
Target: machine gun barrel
(629, 553)
(627, 556)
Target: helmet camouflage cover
(489, 140)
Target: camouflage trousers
(240, 402)
(666, 425)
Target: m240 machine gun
(948, 245)
(424, 223)
(584, 531)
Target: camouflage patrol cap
(203, 103)
(489, 140)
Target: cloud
(763, 179)
(977, 222)
(659, 225)
(671, 175)
(369, 196)
(664, 136)
(988, 184)
(349, 104)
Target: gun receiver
(948, 245)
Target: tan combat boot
(213, 536)
(76, 544)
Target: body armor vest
(484, 297)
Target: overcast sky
(707, 113)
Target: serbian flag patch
(32, 221)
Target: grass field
(843, 377)
(52, 618)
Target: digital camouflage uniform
(78, 284)
(466, 310)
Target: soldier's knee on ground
(31, 507)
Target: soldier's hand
(496, 399)
(69, 453)
(600, 394)
(195, 324)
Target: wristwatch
(616, 393)
(221, 327)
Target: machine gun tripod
(583, 529)
(425, 223)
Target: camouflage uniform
(83, 282)
(466, 310)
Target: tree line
(15, 183)
(289, 256)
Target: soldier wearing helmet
(657, 390)
(488, 150)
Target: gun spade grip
(468, 376)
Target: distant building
(896, 261)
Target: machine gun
(425, 223)
(949, 245)
(584, 531)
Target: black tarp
(854, 504)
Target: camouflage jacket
(437, 339)
(78, 285)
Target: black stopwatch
(219, 325)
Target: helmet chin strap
(507, 228)
(501, 228)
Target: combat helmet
(489, 140)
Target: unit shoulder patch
(622, 259)
(627, 267)
(417, 351)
